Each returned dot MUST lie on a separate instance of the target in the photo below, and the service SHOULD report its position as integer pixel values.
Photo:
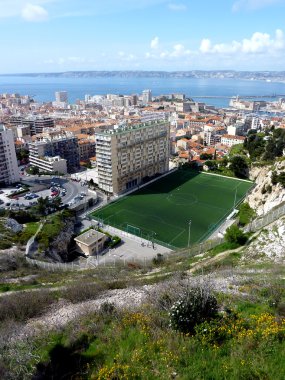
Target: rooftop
(126, 128)
(89, 237)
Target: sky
(66, 35)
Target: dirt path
(65, 312)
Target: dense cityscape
(142, 190)
(58, 137)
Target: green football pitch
(162, 210)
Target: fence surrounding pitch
(192, 251)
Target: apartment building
(9, 172)
(230, 140)
(87, 147)
(128, 156)
(61, 96)
(47, 164)
(212, 137)
(146, 97)
(64, 145)
(35, 123)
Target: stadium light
(189, 229)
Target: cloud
(36, 13)
(30, 9)
(154, 43)
(177, 51)
(258, 43)
(177, 7)
(126, 56)
(205, 46)
(253, 4)
(15, 8)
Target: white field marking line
(175, 237)
(111, 216)
(155, 218)
(184, 201)
(211, 206)
(224, 176)
(111, 203)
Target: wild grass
(114, 344)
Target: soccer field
(162, 210)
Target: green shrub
(159, 259)
(115, 240)
(235, 235)
(246, 213)
(5, 244)
(195, 307)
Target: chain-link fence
(266, 219)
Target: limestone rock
(266, 196)
(269, 245)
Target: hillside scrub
(52, 227)
(139, 344)
(235, 235)
(246, 213)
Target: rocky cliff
(268, 246)
(60, 247)
(265, 196)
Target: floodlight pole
(189, 230)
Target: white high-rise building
(9, 172)
(61, 97)
(146, 97)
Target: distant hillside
(222, 74)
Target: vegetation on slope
(245, 339)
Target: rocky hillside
(268, 246)
(265, 196)
(59, 247)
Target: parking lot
(31, 189)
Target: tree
(224, 162)
(255, 145)
(281, 179)
(206, 156)
(235, 235)
(56, 203)
(42, 205)
(22, 155)
(274, 178)
(239, 166)
(91, 183)
(212, 165)
(246, 213)
(33, 170)
(237, 149)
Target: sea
(43, 88)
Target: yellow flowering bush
(114, 372)
(256, 327)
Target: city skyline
(61, 35)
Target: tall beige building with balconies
(128, 156)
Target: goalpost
(134, 230)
